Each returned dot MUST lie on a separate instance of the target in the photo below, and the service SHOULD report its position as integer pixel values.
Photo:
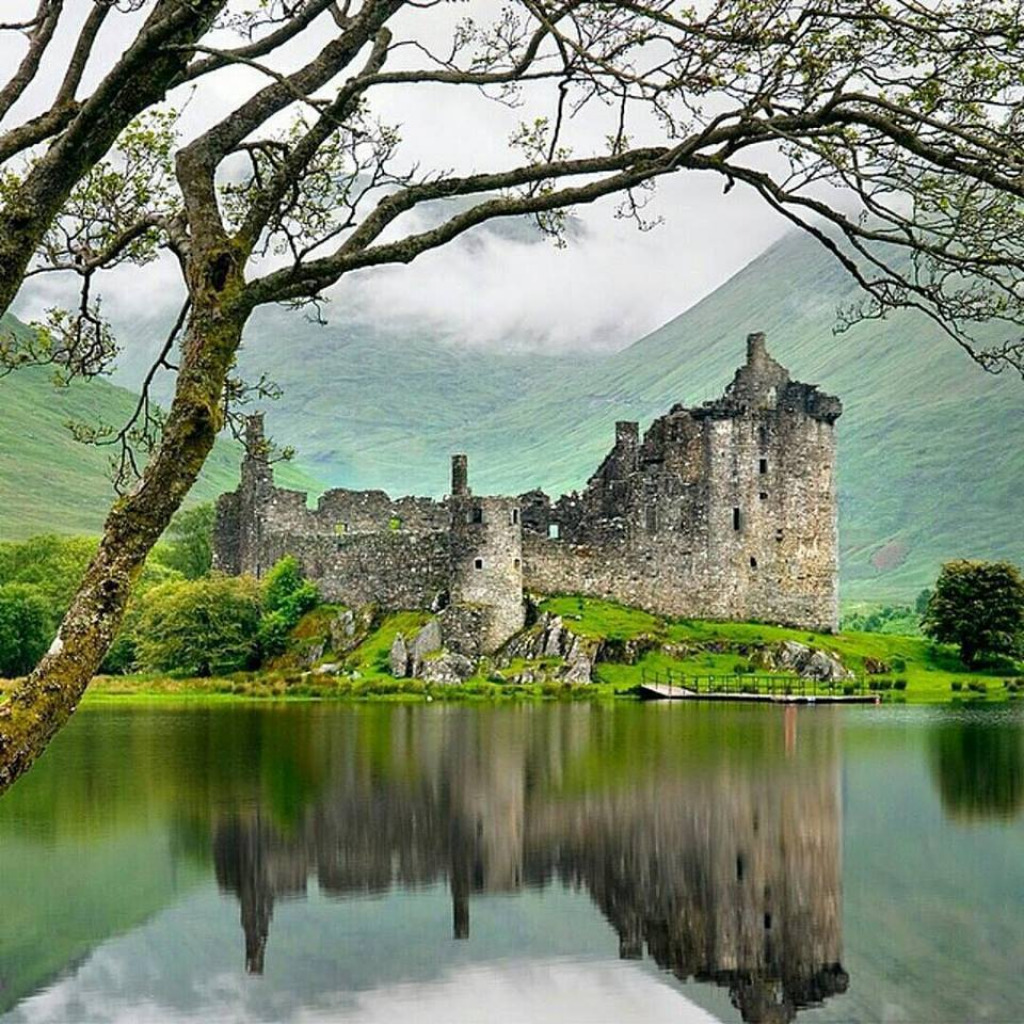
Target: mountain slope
(48, 481)
(931, 465)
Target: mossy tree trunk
(46, 699)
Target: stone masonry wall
(724, 511)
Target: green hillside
(51, 483)
(931, 465)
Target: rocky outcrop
(448, 669)
(350, 628)
(550, 638)
(811, 663)
(399, 657)
(426, 641)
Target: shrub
(956, 686)
(899, 665)
(26, 628)
(287, 592)
(899, 684)
(200, 627)
(977, 686)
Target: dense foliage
(188, 543)
(199, 627)
(26, 628)
(980, 607)
(893, 619)
(286, 598)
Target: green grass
(696, 648)
(930, 669)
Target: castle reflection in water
(721, 863)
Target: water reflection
(977, 761)
(715, 850)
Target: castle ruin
(723, 511)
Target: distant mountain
(931, 462)
(49, 481)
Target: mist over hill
(931, 465)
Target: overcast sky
(608, 287)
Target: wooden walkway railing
(764, 685)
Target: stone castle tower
(486, 558)
(725, 511)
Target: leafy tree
(188, 546)
(54, 565)
(287, 596)
(199, 627)
(883, 131)
(26, 628)
(980, 607)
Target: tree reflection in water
(714, 849)
(977, 761)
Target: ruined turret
(486, 559)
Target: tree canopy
(979, 606)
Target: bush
(26, 628)
(956, 686)
(899, 684)
(977, 686)
(200, 627)
(899, 665)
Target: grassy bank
(635, 644)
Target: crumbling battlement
(725, 511)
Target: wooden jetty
(753, 689)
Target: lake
(438, 863)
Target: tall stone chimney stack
(756, 350)
(460, 476)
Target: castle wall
(727, 511)
(724, 511)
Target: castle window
(652, 519)
(478, 563)
(476, 515)
(515, 563)
(778, 535)
(552, 531)
(767, 922)
(762, 434)
(735, 518)
(763, 466)
(753, 563)
(515, 516)
(740, 867)
(763, 495)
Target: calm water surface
(546, 863)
